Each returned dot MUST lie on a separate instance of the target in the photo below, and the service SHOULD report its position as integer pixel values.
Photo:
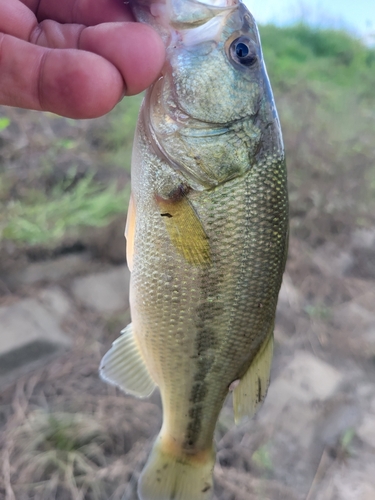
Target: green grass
(346, 440)
(319, 312)
(324, 85)
(262, 458)
(39, 219)
(48, 204)
(4, 122)
(118, 137)
(60, 452)
(329, 56)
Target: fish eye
(242, 51)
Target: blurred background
(64, 187)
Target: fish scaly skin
(207, 238)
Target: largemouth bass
(207, 236)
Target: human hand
(76, 58)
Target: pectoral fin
(130, 233)
(185, 230)
(252, 389)
(124, 367)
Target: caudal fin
(171, 477)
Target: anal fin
(124, 367)
(252, 389)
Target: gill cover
(209, 133)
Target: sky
(355, 15)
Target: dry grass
(64, 435)
(49, 455)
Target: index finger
(69, 82)
(86, 12)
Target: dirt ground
(66, 435)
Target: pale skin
(76, 58)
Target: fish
(207, 238)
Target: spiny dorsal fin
(124, 367)
(252, 389)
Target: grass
(58, 454)
(346, 440)
(323, 83)
(61, 451)
(118, 137)
(55, 200)
(4, 122)
(329, 56)
(324, 88)
(319, 312)
(262, 458)
(89, 451)
(39, 219)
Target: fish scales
(233, 299)
(207, 237)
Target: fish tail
(176, 476)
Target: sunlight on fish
(207, 237)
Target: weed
(65, 143)
(318, 312)
(303, 52)
(262, 458)
(323, 83)
(117, 138)
(346, 440)
(49, 455)
(59, 451)
(4, 122)
(40, 219)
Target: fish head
(218, 68)
(214, 90)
